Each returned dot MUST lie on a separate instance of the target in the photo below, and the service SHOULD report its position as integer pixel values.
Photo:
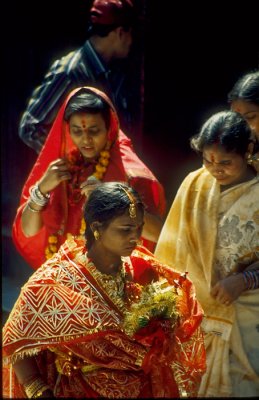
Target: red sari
(76, 328)
(63, 214)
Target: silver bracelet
(37, 197)
(32, 209)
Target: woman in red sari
(104, 318)
(85, 146)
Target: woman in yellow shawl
(212, 232)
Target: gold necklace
(113, 285)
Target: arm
(29, 377)
(230, 288)
(43, 106)
(32, 217)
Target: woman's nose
(87, 138)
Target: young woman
(212, 231)
(84, 147)
(244, 99)
(105, 319)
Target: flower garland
(155, 300)
(76, 168)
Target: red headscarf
(63, 216)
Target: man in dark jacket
(103, 62)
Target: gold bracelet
(32, 389)
(40, 391)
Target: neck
(106, 263)
(102, 47)
(249, 174)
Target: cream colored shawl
(188, 242)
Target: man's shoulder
(69, 61)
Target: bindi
(212, 158)
(83, 123)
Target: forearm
(29, 377)
(26, 369)
(31, 218)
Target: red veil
(63, 216)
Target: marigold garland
(99, 172)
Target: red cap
(112, 12)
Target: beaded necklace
(76, 166)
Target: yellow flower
(105, 154)
(53, 239)
(98, 175)
(104, 161)
(100, 168)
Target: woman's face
(120, 237)
(250, 112)
(227, 168)
(89, 134)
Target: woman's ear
(250, 148)
(248, 155)
(95, 226)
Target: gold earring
(96, 235)
(249, 159)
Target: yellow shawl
(187, 242)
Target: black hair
(246, 88)
(87, 102)
(104, 30)
(225, 128)
(106, 202)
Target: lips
(220, 177)
(88, 150)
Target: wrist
(37, 197)
(36, 388)
(43, 191)
(251, 279)
(33, 207)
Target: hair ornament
(132, 206)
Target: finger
(58, 162)
(64, 177)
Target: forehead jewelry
(132, 207)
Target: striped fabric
(82, 67)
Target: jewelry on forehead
(132, 206)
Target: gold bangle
(40, 391)
(32, 389)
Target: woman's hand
(56, 173)
(89, 185)
(228, 289)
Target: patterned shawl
(74, 324)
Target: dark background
(193, 54)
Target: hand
(89, 185)
(228, 289)
(47, 394)
(56, 173)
